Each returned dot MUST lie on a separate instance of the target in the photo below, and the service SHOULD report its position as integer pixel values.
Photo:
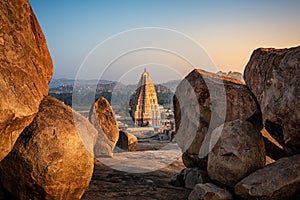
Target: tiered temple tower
(145, 108)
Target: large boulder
(239, 151)
(204, 101)
(209, 191)
(273, 75)
(103, 118)
(53, 157)
(279, 180)
(26, 69)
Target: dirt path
(109, 184)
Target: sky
(105, 39)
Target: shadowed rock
(204, 101)
(273, 75)
(239, 151)
(53, 157)
(279, 180)
(26, 69)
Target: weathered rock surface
(209, 191)
(127, 141)
(193, 176)
(26, 69)
(103, 118)
(238, 152)
(279, 180)
(203, 101)
(273, 75)
(53, 157)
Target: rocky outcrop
(127, 141)
(103, 118)
(280, 180)
(273, 75)
(53, 157)
(238, 152)
(26, 69)
(204, 101)
(209, 191)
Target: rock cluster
(53, 157)
(204, 101)
(239, 147)
(46, 148)
(26, 69)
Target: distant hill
(67, 85)
(70, 82)
(231, 74)
(116, 93)
(171, 85)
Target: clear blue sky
(228, 30)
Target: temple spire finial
(145, 70)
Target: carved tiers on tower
(145, 108)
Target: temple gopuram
(145, 109)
